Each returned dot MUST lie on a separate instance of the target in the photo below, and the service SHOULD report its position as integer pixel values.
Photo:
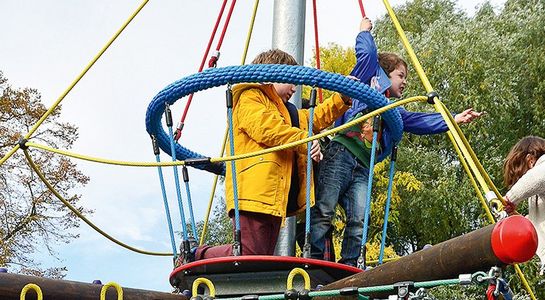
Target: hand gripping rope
(257, 73)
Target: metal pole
(289, 33)
(289, 36)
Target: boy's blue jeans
(342, 179)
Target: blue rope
(387, 208)
(233, 168)
(167, 209)
(191, 215)
(309, 170)
(260, 73)
(312, 103)
(369, 190)
(177, 183)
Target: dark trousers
(259, 233)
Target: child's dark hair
(390, 61)
(515, 164)
(274, 56)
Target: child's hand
(467, 116)
(509, 207)
(316, 151)
(347, 100)
(366, 25)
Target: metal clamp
(403, 289)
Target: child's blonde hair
(515, 164)
(274, 56)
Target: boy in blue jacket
(344, 170)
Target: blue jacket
(366, 67)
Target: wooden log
(512, 240)
(52, 289)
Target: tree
(492, 61)
(220, 227)
(30, 215)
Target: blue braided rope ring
(298, 75)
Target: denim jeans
(342, 179)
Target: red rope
(201, 67)
(213, 62)
(222, 9)
(226, 25)
(317, 46)
(362, 9)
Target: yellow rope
(464, 145)
(234, 157)
(9, 154)
(477, 162)
(117, 287)
(524, 281)
(206, 282)
(213, 192)
(295, 272)
(456, 134)
(250, 30)
(77, 213)
(103, 160)
(31, 286)
(323, 134)
(472, 179)
(73, 84)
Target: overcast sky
(46, 44)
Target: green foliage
(30, 216)
(492, 61)
(220, 228)
(336, 59)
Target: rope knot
(213, 62)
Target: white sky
(46, 44)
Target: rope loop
(105, 288)
(206, 282)
(299, 75)
(298, 271)
(32, 286)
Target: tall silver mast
(289, 36)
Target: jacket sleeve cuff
(338, 102)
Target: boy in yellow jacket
(270, 186)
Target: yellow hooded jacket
(260, 121)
